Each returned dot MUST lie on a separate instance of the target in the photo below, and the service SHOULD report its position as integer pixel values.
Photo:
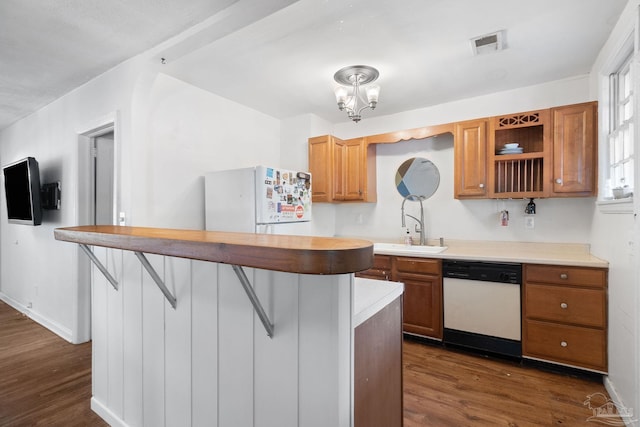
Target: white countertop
(570, 254)
(371, 296)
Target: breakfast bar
(179, 319)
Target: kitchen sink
(400, 249)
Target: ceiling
(280, 58)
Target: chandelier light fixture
(348, 94)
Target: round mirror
(417, 177)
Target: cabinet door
(321, 167)
(422, 306)
(470, 164)
(574, 150)
(349, 169)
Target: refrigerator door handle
(268, 326)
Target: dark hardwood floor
(45, 381)
(452, 388)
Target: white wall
(186, 133)
(616, 237)
(34, 268)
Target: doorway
(96, 206)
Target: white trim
(99, 126)
(613, 394)
(616, 206)
(103, 412)
(54, 327)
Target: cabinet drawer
(382, 262)
(583, 307)
(575, 276)
(572, 345)
(381, 269)
(374, 273)
(419, 265)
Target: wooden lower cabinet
(378, 369)
(565, 315)
(571, 345)
(422, 278)
(381, 269)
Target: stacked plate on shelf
(511, 148)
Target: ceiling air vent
(488, 43)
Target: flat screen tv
(22, 190)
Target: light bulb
(373, 92)
(341, 94)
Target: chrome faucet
(419, 221)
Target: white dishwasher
(482, 306)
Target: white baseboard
(613, 393)
(54, 327)
(109, 417)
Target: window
(619, 182)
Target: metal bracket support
(145, 263)
(268, 326)
(98, 264)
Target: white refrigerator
(258, 199)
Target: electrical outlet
(529, 222)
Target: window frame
(627, 56)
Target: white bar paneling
(235, 350)
(276, 359)
(115, 351)
(100, 331)
(320, 350)
(178, 374)
(204, 330)
(131, 290)
(153, 346)
(209, 361)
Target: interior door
(103, 156)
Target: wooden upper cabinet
(321, 168)
(556, 157)
(342, 170)
(523, 171)
(574, 150)
(470, 164)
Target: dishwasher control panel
(484, 271)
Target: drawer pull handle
(563, 305)
(563, 344)
(564, 276)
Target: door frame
(84, 213)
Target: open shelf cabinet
(519, 175)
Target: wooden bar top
(295, 254)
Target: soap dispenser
(531, 208)
(408, 240)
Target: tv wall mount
(50, 196)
